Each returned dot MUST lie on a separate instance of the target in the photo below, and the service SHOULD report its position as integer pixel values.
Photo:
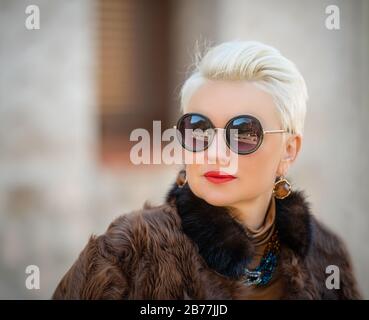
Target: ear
(291, 149)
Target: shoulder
(328, 244)
(321, 248)
(108, 261)
(135, 231)
(325, 240)
(328, 253)
(152, 219)
(302, 231)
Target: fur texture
(188, 249)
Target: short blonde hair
(260, 63)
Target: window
(133, 72)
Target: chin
(218, 202)
(214, 194)
(216, 198)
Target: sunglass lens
(244, 134)
(195, 132)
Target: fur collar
(222, 241)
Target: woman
(231, 227)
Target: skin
(248, 196)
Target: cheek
(258, 169)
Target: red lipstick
(218, 177)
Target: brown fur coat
(188, 249)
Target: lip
(218, 177)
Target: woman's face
(256, 172)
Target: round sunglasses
(243, 134)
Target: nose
(218, 149)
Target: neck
(223, 242)
(251, 213)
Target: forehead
(223, 100)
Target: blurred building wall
(47, 139)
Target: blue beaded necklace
(263, 273)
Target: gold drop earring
(282, 188)
(181, 179)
